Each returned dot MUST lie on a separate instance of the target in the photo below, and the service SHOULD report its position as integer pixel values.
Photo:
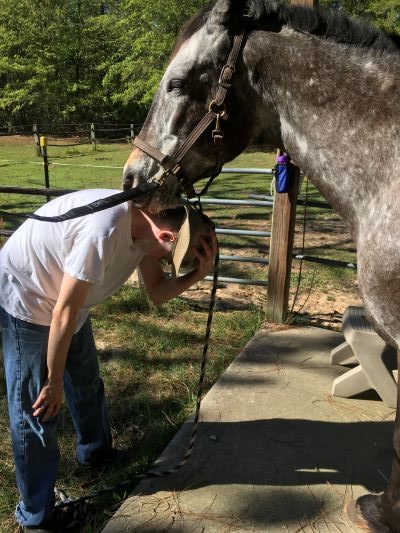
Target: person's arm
(72, 295)
(161, 288)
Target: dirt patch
(16, 140)
(317, 298)
(25, 140)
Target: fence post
(281, 250)
(43, 145)
(132, 133)
(281, 247)
(36, 136)
(93, 136)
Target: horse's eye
(176, 84)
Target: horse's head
(189, 85)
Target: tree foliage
(81, 60)
(384, 13)
(52, 58)
(86, 60)
(146, 36)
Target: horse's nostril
(127, 180)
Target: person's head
(192, 225)
(178, 230)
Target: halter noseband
(216, 111)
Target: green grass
(150, 360)
(150, 355)
(30, 174)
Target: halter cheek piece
(216, 111)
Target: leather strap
(172, 164)
(150, 150)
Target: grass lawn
(150, 363)
(150, 355)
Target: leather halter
(216, 111)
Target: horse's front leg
(391, 496)
(381, 513)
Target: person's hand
(206, 256)
(49, 400)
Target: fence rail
(256, 201)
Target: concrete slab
(275, 452)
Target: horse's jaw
(165, 196)
(139, 171)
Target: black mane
(271, 15)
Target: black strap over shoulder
(93, 207)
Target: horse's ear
(228, 13)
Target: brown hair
(173, 218)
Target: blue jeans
(34, 443)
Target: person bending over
(50, 275)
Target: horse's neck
(338, 113)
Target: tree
(383, 13)
(79, 60)
(53, 58)
(147, 32)
(91, 60)
(386, 13)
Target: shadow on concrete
(284, 452)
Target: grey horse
(325, 88)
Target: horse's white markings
(388, 84)
(371, 67)
(194, 50)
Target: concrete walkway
(275, 452)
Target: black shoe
(109, 457)
(69, 519)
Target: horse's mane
(271, 15)
(194, 24)
(333, 24)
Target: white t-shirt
(97, 248)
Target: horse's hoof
(370, 515)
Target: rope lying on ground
(64, 501)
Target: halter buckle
(218, 134)
(218, 109)
(171, 166)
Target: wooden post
(281, 250)
(281, 246)
(36, 136)
(132, 133)
(43, 146)
(93, 136)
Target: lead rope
(64, 501)
(93, 207)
